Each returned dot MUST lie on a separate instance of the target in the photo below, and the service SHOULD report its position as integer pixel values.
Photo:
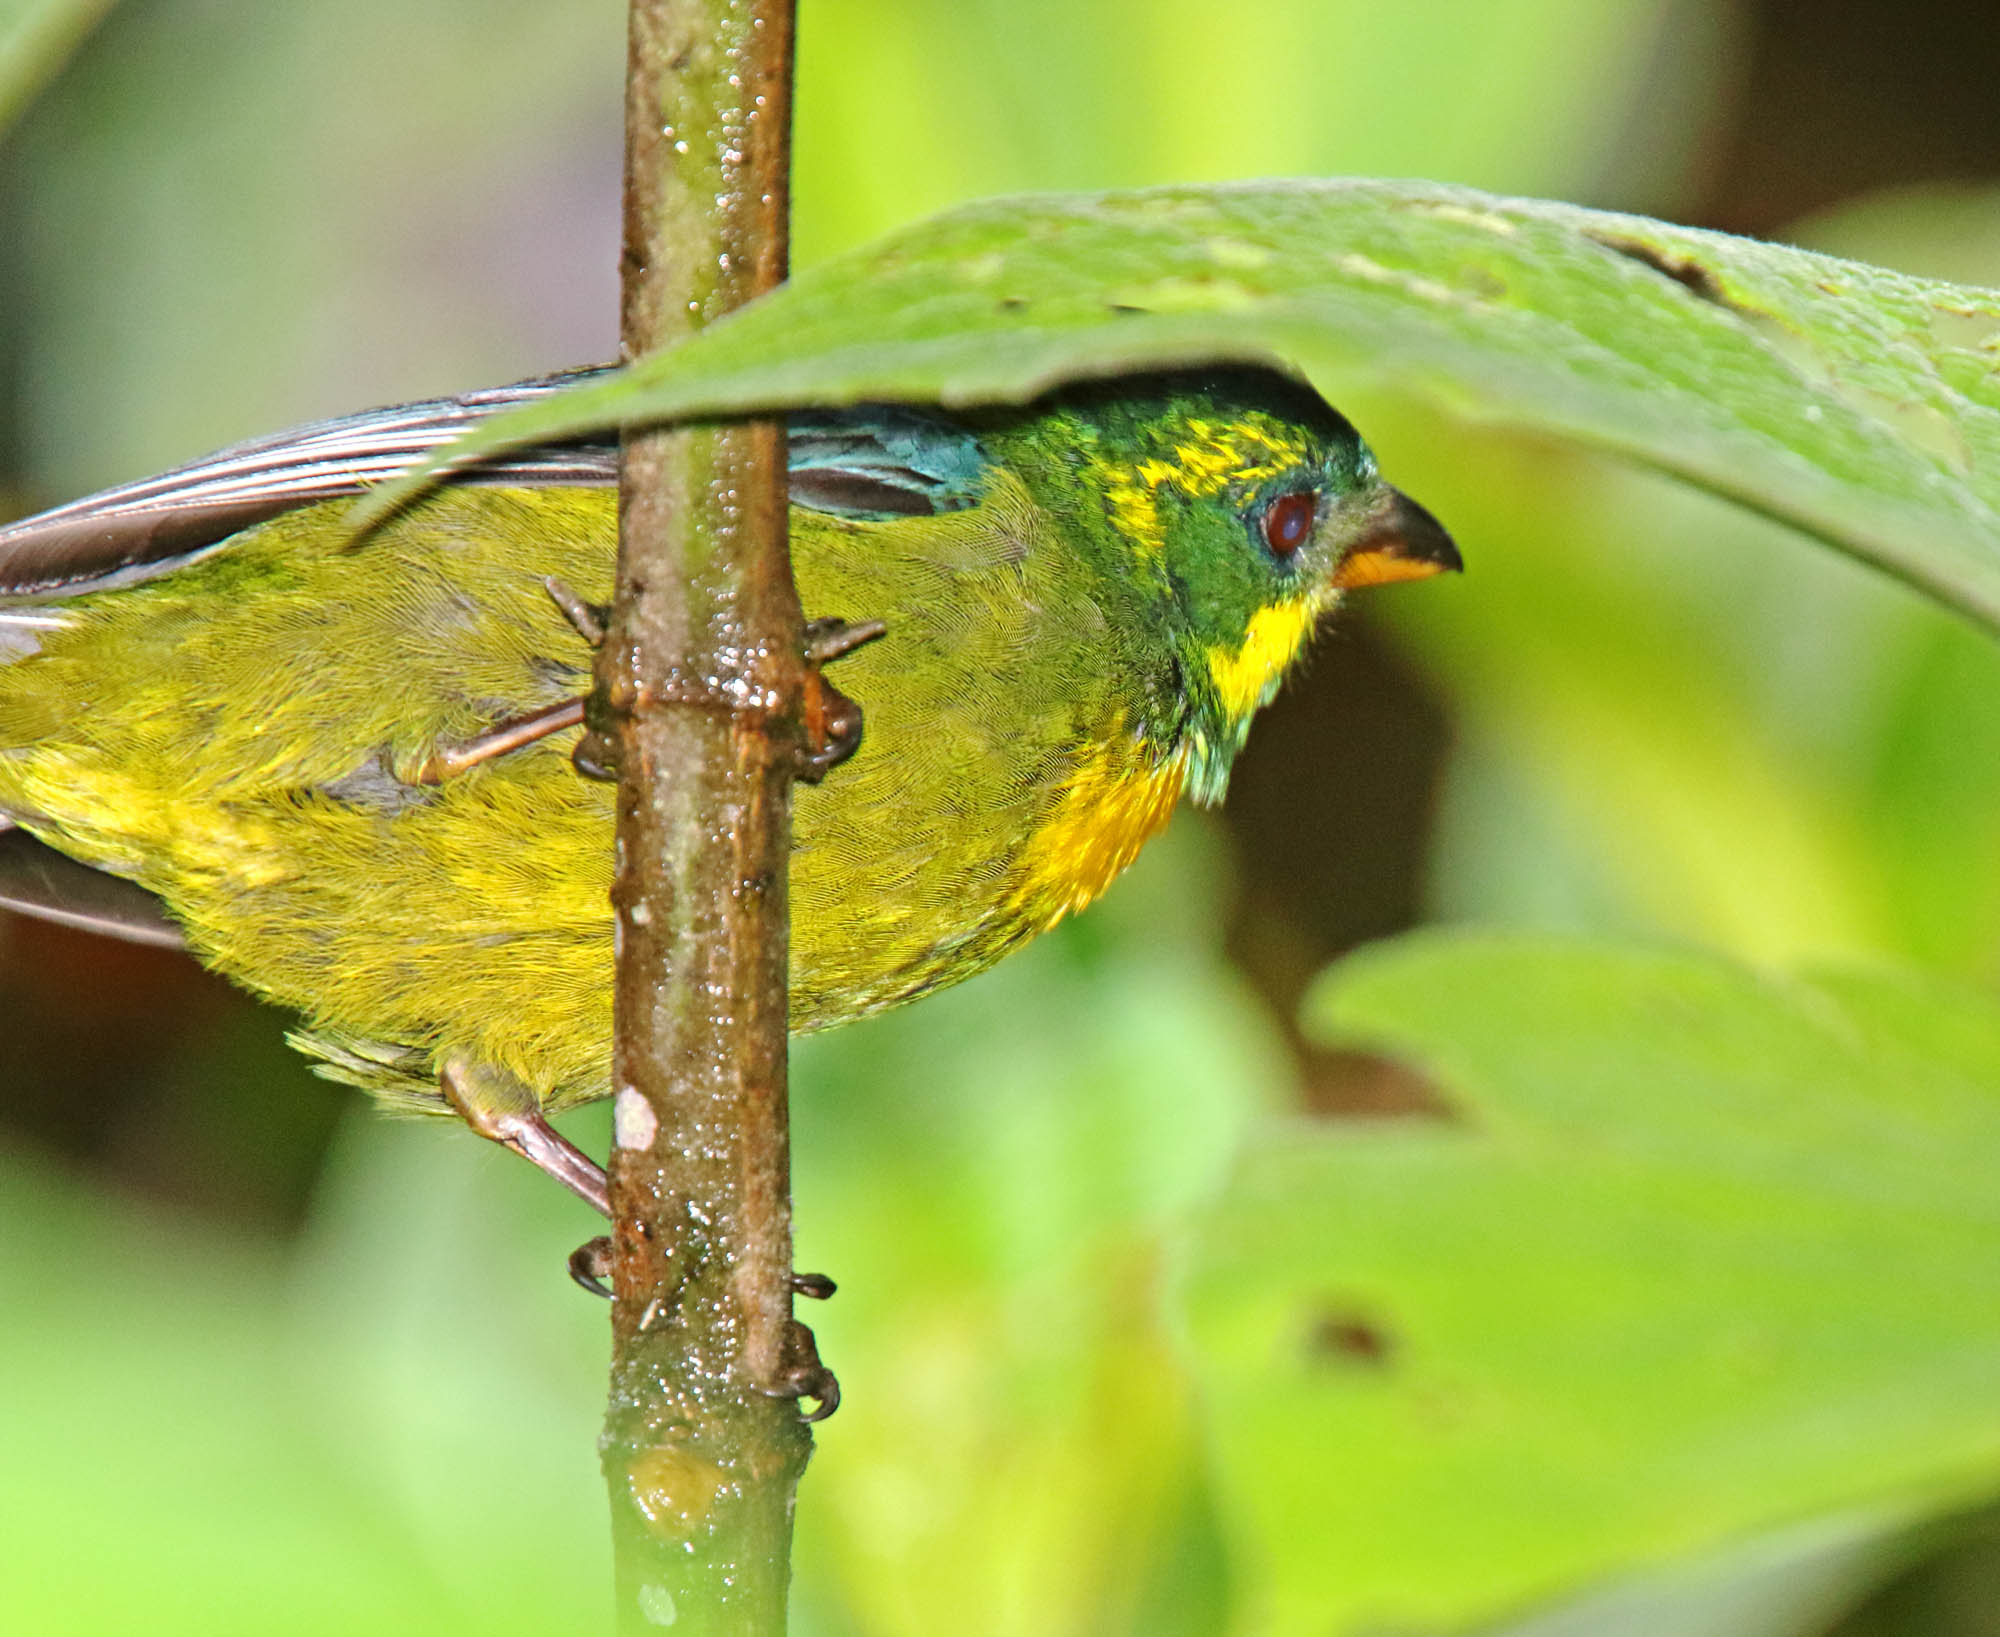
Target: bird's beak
(1398, 541)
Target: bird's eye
(1288, 520)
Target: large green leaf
(1857, 403)
(1706, 1253)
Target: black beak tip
(1422, 538)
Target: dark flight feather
(39, 881)
(864, 463)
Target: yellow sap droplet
(674, 1490)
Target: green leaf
(1707, 1253)
(36, 38)
(1856, 403)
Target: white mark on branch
(633, 1121)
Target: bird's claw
(803, 1376)
(832, 720)
(595, 757)
(815, 1285)
(833, 729)
(590, 1265)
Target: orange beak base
(1402, 542)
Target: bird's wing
(144, 529)
(864, 463)
(39, 881)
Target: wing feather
(150, 527)
(39, 881)
(873, 462)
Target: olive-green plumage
(1078, 629)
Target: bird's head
(1230, 510)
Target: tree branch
(700, 684)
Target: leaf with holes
(1702, 1254)
(1856, 403)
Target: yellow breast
(1116, 801)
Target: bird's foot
(594, 756)
(801, 1375)
(832, 725)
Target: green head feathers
(1227, 510)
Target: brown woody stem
(700, 684)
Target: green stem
(700, 681)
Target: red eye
(1288, 520)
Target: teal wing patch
(879, 462)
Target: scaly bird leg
(518, 732)
(514, 734)
(587, 617)
(503, 1110)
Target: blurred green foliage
(246, 1407)
(36, 37)
(1698, 1256)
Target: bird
(338, 769)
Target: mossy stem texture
(699, 688)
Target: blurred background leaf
(1698, 1254)
(36, 38)
(272, 1364)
